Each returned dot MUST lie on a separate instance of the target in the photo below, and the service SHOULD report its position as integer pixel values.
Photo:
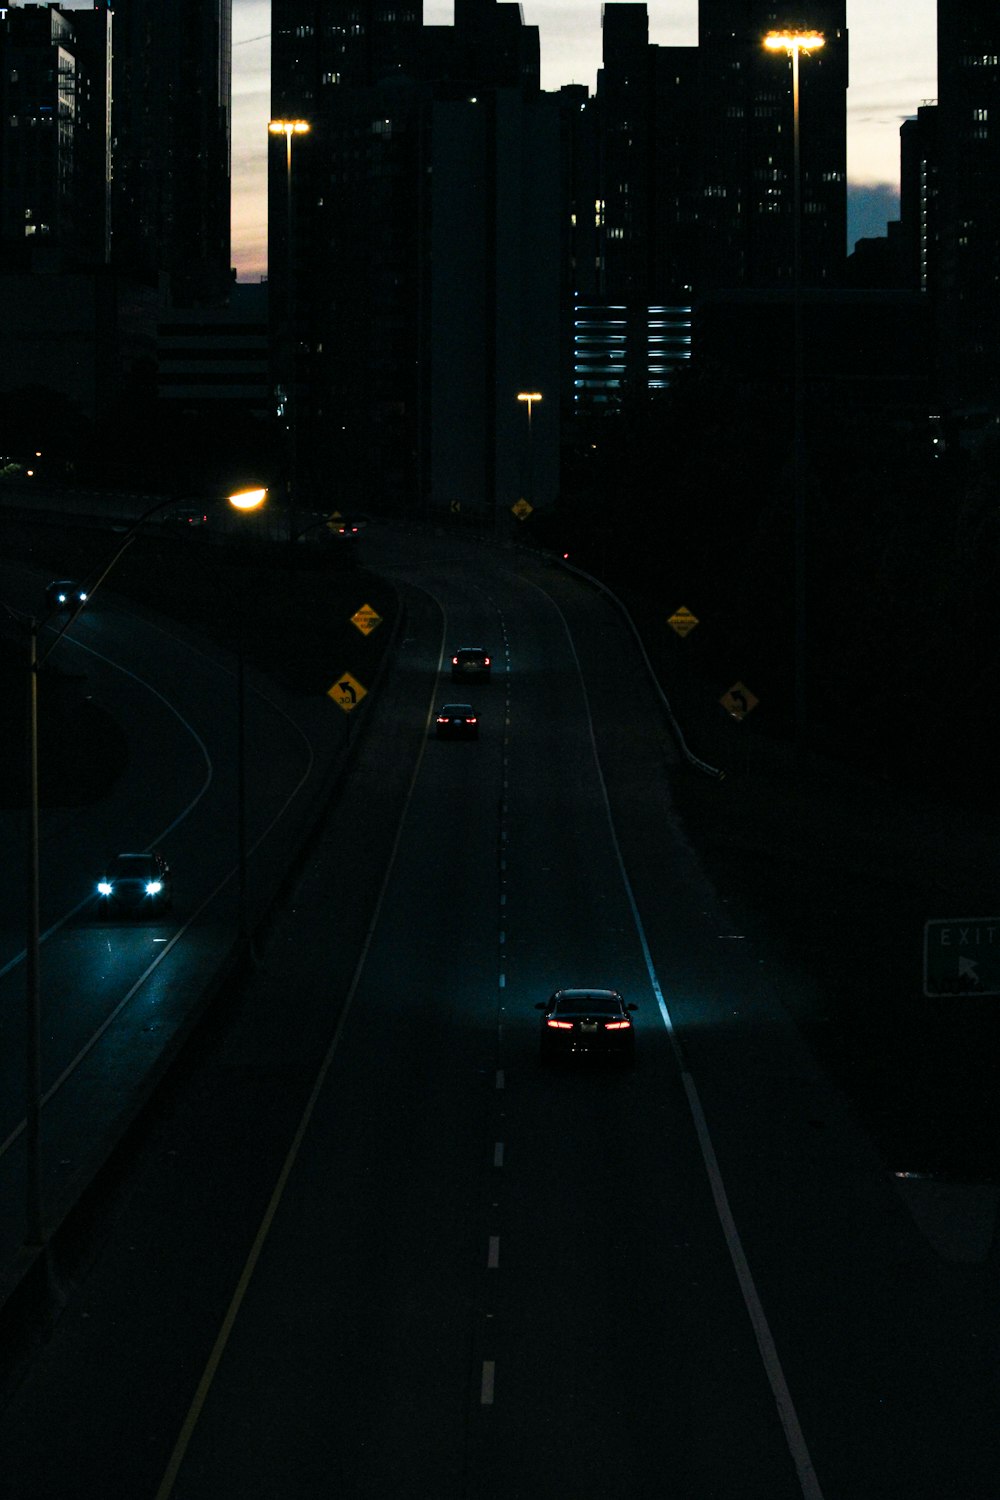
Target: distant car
(135, 883)
(457, 721)
(347, 527)
(65, 594)
(587, 1025)
(470, 664)
(186, 518)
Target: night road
(366, 1245)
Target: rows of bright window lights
(600, 349)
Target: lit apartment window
(598, 212)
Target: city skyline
(893, 68)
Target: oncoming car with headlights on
(136, 884)
(65, 594)
(587, 1025)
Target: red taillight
(486, 661)
(617, 1025)
(470, 721)
(442, 718)
(559, 1025)
(454, 661)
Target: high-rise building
(746, 146)
(55, 137)
(414, 254)
(966, 279)
(172, 144)
(919, 188)
(692, 187)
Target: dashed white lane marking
(493, 1254)
(498, 1154)
(486, 1388)
(499, 1078)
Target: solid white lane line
(765, 1342)
(193, 1416)
(794, 1437)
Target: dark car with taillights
(457, 721)
(587, 1025)
(471, 664)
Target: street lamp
(530, 397)
(35, 1236)
(793, 44)
(290, 128)
(35, 1230)
(243, 500)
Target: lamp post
(244, 500)
(290, 128)
(793, 44)
(35, 1236)
(530, 397)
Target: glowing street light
(794, 44)
(242, 500)
(289, 129)
(794, 41)
(529, 398)
(248, 499)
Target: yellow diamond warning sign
(683, 620)
(522, 509)
(365, 619)
(738, 701)
(346, 692)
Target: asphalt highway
(114, 989)
(365, 1245)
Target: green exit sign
(962, 956)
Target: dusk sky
(893, 70)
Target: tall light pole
(245, 500)
(793, 44)
(530, 397)
(290, 128)
(35, 1235)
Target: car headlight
(104, 887)
(154, 887)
